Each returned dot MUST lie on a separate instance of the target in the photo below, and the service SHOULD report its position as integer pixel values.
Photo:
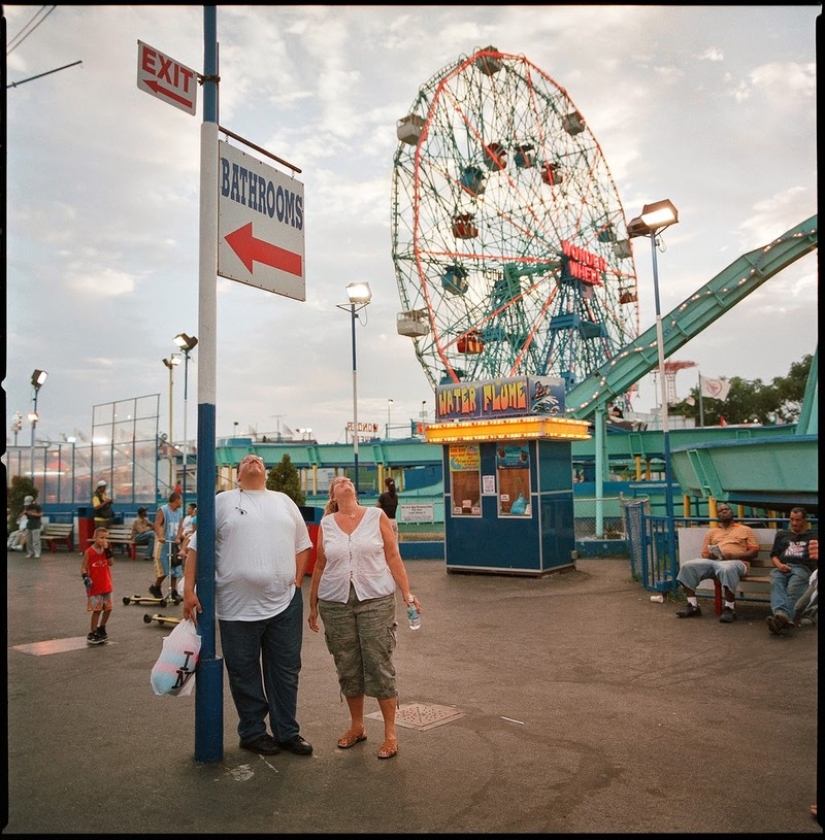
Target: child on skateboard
(96, 573)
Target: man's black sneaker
(784, 621)
(263, 745)
(728, 615)
(689, 611)
(94, 639)
(176, 599)
(779, 623)
(101, 632)
(296, 744)
(155, 591)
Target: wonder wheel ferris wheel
(509, 241)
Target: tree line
(752, 401)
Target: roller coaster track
(689, 318)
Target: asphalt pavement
(570, 703)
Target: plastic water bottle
(88, 581)
(413, 616)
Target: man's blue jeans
(147, 538)
(787, 588)
(263, 661)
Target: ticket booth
(508, 475)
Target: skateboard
(144, 599)
(161, 619)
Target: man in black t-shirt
(793, 566)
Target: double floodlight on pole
(359, 295)
(38, 378)
(653, 219)
(187, 343)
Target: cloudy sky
(713, 108)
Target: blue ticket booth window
(513, 479)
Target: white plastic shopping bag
(172, 673)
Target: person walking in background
(793, 565)
(388, 502)
(726, 553)
(34, 518)
(357, 569)
(95, 569)
(102, 504)
(262, 546)
(143, 533)
(167, 562)
(187, 526)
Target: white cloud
(711, 54)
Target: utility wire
(28, 29)
(40, 75)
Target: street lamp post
(389, 409)
(174, 359)
(17, 425)
(359, 295)
(38, 378)
(655, 218)
(186, 343)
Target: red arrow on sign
(160, 90)
(250, 250)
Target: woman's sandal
(388, 749)
(350, 739)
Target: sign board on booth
(424, 512)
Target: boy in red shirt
(96, 574)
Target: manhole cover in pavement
(422, 716)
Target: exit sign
(161, 76)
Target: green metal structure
(709, 303)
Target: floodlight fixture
(653, 218)
(186, 342)
(359, 292)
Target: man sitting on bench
(726, 553)
(793, 565)
(143, 533)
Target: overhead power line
(43, 12)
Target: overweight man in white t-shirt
(262, 546)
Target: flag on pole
(716, 388)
